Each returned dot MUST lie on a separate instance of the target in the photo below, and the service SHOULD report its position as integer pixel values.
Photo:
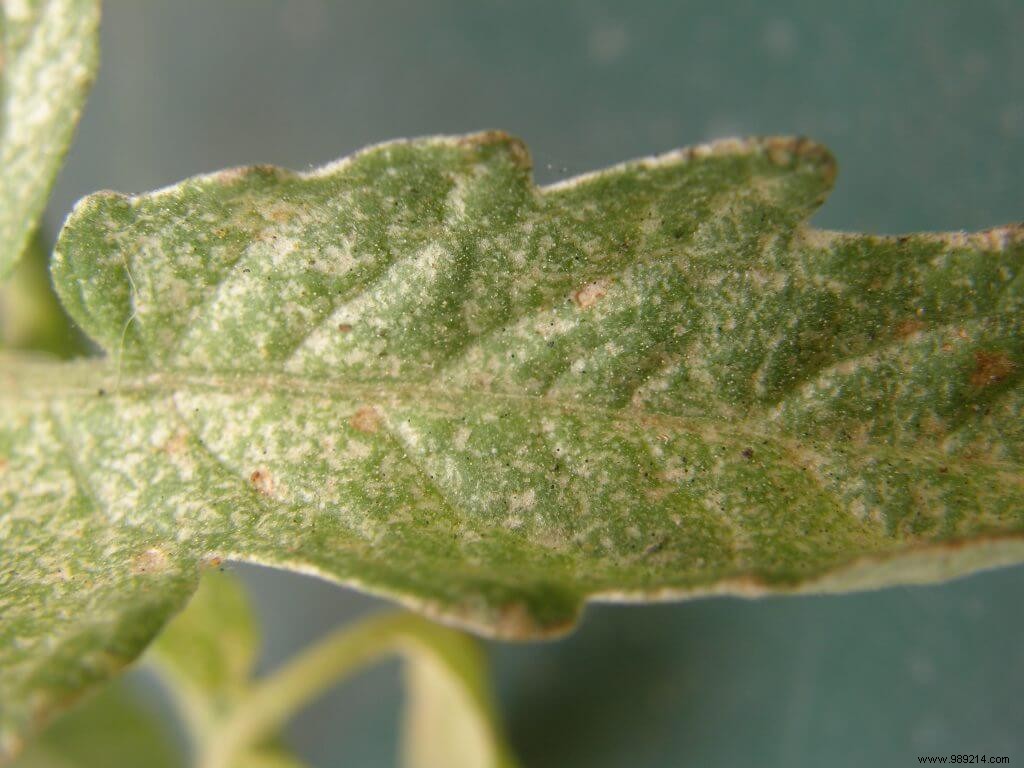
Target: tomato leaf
(415, 372)
(48, 58)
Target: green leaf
(206, 653)
(414, 372)
(31, 317)
(268, 759)
(211, 646)
(109, 729)
(48, 58)
(205, 657)
(450, 719)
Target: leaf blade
(416, 373)
(47, 64)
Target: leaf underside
(48, 57)
(415, 372)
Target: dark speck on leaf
(655, 547)
(748, 453)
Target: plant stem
(272, 701)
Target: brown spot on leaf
(153, 560)
(280, 213)
(344, 327)
(590, 294)
(909, 327)
(515, 147)
(748, 454)
(779, 150)
(365, 419)
(262, 482)
(176, 444)
(998, 238)
(246, 172)
(960, 334)
(516, 620)
(990, 367)
(932, 425)
(658, 492)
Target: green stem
(272, 701)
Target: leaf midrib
(24, 378)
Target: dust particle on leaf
(990, 367)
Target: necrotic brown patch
(990, 367)
(365, 420)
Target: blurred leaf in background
(48, 57)
(109, 730)
(31, 316)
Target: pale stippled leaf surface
(415, 372)
(48, 57)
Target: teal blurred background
(923, 104)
